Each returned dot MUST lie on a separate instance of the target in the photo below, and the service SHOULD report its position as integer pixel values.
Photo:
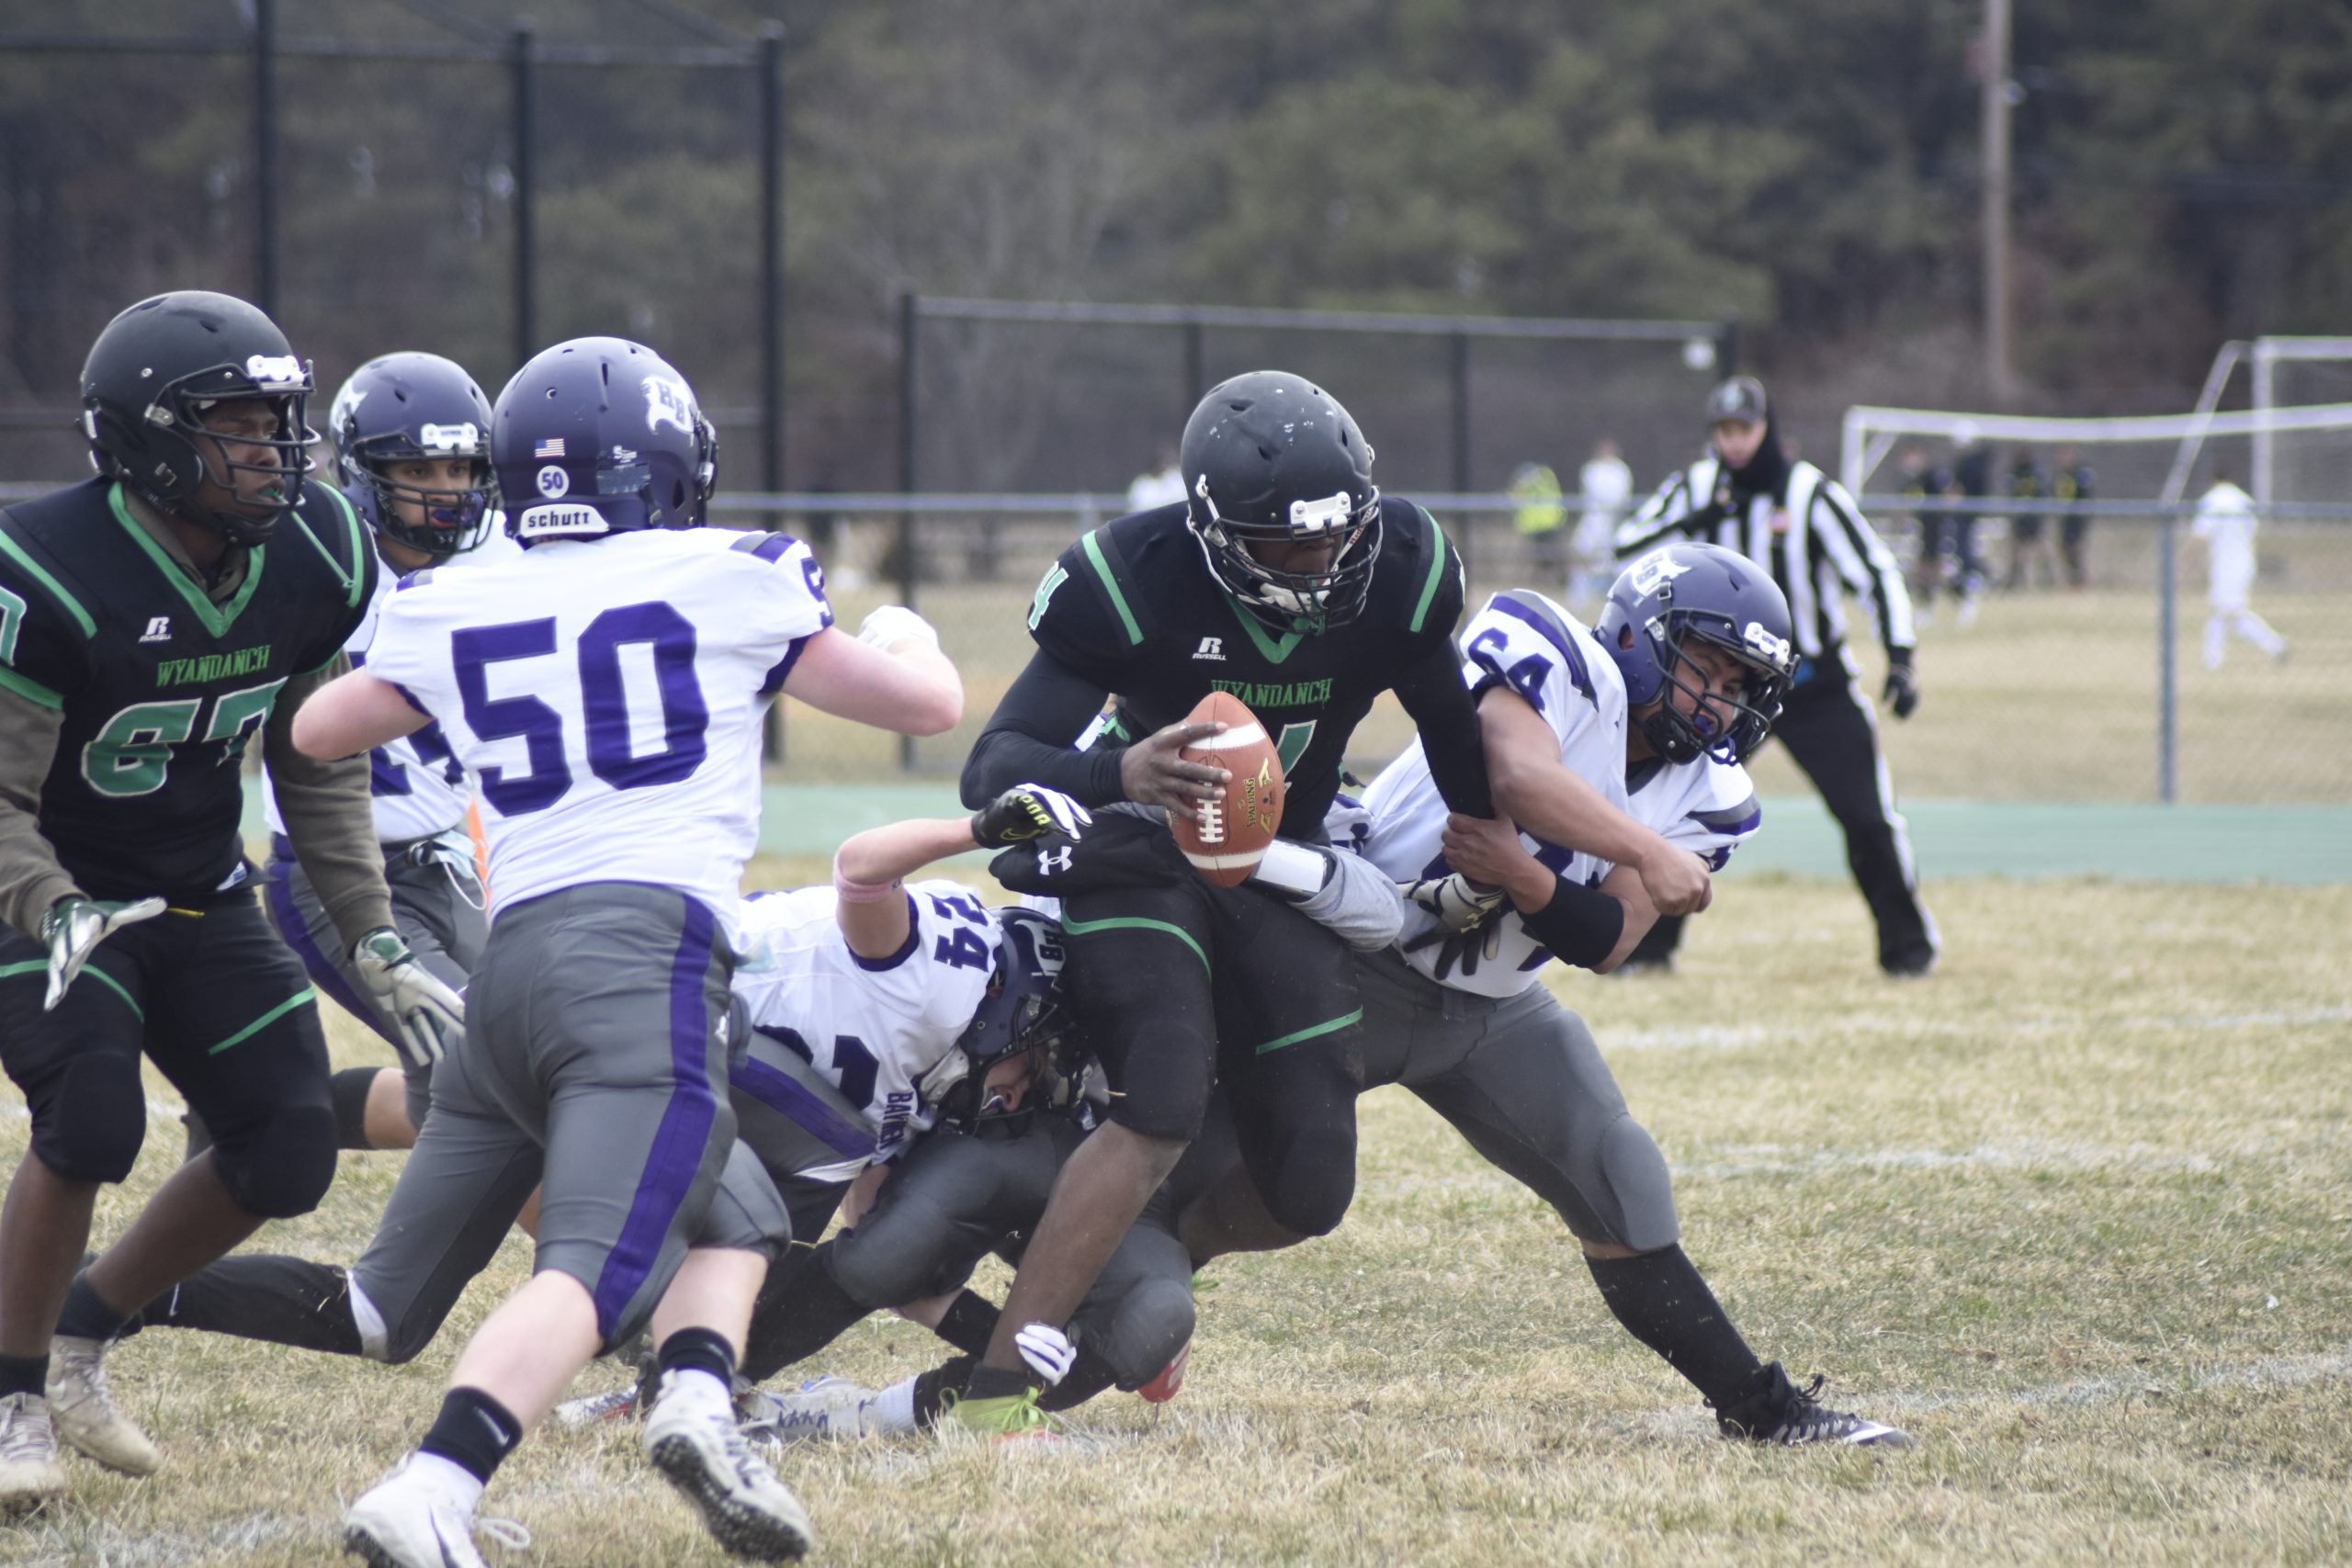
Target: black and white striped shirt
(1815, 541)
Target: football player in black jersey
(1285, 578)
(152, 620)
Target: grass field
(2076, 1212)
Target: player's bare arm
(891, 675)
(352, 713)
(1532, 788)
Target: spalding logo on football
(1231, 835)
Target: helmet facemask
(455, 520)
(1723, 728)
(174, 417)
(1309, 602)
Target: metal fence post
(908, 446)
(1196, 375)
(526, 327)
(2167, 651)
(266, 156)
(772, 432)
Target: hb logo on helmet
(1054, 861)
(1653, 569)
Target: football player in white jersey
(412, 439)
(606, 690)
(2225, 525)
(1611, 749)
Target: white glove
(74, 927)
(1457, 904)
(1047, 1350)
(431, 1016)
(890, 623)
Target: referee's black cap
(1741, 398)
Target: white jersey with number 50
(608, 696)
(1527, 643)
(874, 1027)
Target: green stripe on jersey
(1110, 585)
(215, 618)
(72, 607)
(1437, 567)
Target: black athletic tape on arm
(1028, 740)
(1580, 925)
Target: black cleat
(1777, 1411)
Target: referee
(1790, 517)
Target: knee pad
(1634, 1169)
(282, 1166)
(1144, 1331)
(1313, 1185)
(89, 1126)
(879, 1277)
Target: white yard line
(1714, 1037)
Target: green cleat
(1008, 1415)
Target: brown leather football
(1225, 844)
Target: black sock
(259, 1295)
(798, 1313)
(87, 1314)
(23, 1374)
(932, 1388)
(349, 1089)
(1663, 1303)
(994, 1382)
(1088, 1376)
(700, 1350)
(474, 1432)
(969, 1321)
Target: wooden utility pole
(2000, 365)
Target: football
(1231, 835)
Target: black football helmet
(1023, 1010)
(155, 371)
(1676, 594)
(1271, 458)
(406, 406)
(599, 435)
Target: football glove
(887, 624)
(1465, 948)
(74, 927)
(1125, 845)
(432, 1017)
(1455, 903)
(1902, 687)
(1047, 1350)
(1026, 812)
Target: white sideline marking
(1721, 1038)
(75, 1543)
(2017, 1154)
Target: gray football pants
(597, 1025)
(437, 907)
(1521, 1078)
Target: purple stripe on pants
(675, 1158)
(286, 916)
(802, 1108)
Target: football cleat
(1163, 1389)
(85, 1411)
(598, 1409)
(1005, 1417)
(417, 1517)
(1780, 1413)
(29, 1472)
(691, 1438)
(818, 1410)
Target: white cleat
(818, 1410)
(691, 1438)
(85, 1413)
(420, 1516)
(29, 1472)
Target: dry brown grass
(2076, 1212)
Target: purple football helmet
(599, 435)
(1679, 593)
(403, 407)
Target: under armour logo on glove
(1124, 845)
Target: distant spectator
(2072, 480)
(1972, 476)
(2029, 540)
(1931, 563)
(1608, 488)
(1542, 521)
(2225, 522)
(1163, 486)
